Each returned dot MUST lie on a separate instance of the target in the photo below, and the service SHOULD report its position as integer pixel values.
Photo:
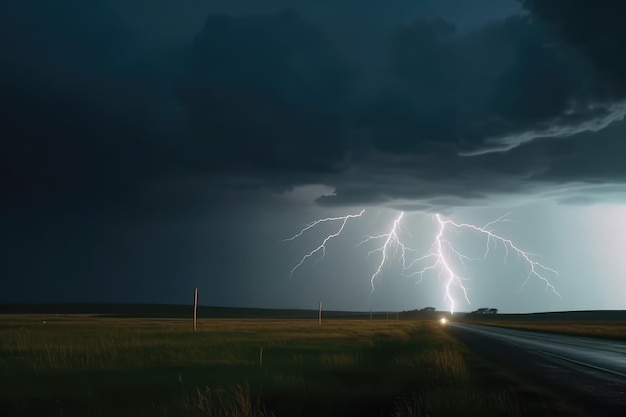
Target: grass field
(602, 324)
(604, 330)
(92, 366)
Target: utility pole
(319, 316)
(195, 309)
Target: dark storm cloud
(487, 91)
(104, 104)
(269, 91)
(439, 93)
(77, 114)
(594, 28)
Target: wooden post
(195, 308)
(319, 316)
(396, 315)
(370, 313)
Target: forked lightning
(322, 247)
(438, 259)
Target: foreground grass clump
(89, 366)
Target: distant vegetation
(485, 310)
(90, 366)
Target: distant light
(443, 320)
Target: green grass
(604, 329)
(89, 366)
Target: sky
(149, 148)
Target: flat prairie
(609, 324)
(82, 365)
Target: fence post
(195, 309)
(319, 316)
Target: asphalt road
(591, 371)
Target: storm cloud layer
(398, 106)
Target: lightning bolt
(322, 247)
(391, 241)
(443, 251)
(441, 255)
(535, 268)
(442, 264)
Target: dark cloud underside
(383, 104)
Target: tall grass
(468, 401)
(132, 367)
(220, 402)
